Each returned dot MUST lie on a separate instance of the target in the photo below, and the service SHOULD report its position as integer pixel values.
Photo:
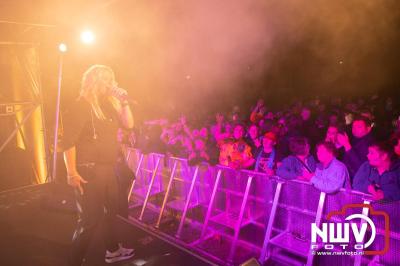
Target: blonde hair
(95, 82)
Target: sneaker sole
(119, 258)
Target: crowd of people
(330, 143)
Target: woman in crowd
(236, 153)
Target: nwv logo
(338, 234)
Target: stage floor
(36, 228)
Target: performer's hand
(75, 181)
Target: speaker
(59, 198)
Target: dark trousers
(99, 201)
(125, 177)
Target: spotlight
(87, 37)
(62, 47)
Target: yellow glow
(87, 37)
(62, 47)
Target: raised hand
(344, 141)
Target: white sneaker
(119, 255)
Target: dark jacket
(357, 155)
(292, 167)
(389, 181)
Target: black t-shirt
(263, 159)
(95, 139)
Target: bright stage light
(62, 47)
(87, 37)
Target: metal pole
(264, 250)
(171, 178)
(209, 209)
(365, 211)
(60, 67)
(318, 217)
(189, 197)
(149, 189)
(239, 221)
(136, 177)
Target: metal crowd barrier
(231, 216)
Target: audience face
(182, 120)
(178, 127)
(269, 116)
(261, 123)
(219, 118)
(196, 133)
(397, 148)
(238, 132)
(204, 132)
(397, 124)
(305, 114)
(376, 157)
(253, 131)
(260, 102)
(324, 155)
(348, 118)
(268, 144)
(331, 134)
(199, 145)
(360, 128)
(333, 119)
(299, 146)
(187, 144)
(235, 117)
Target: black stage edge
(36, 225)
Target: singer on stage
(90, 148)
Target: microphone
(121, 95)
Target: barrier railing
(230, 216)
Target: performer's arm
(74, 178)
(126, 116)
